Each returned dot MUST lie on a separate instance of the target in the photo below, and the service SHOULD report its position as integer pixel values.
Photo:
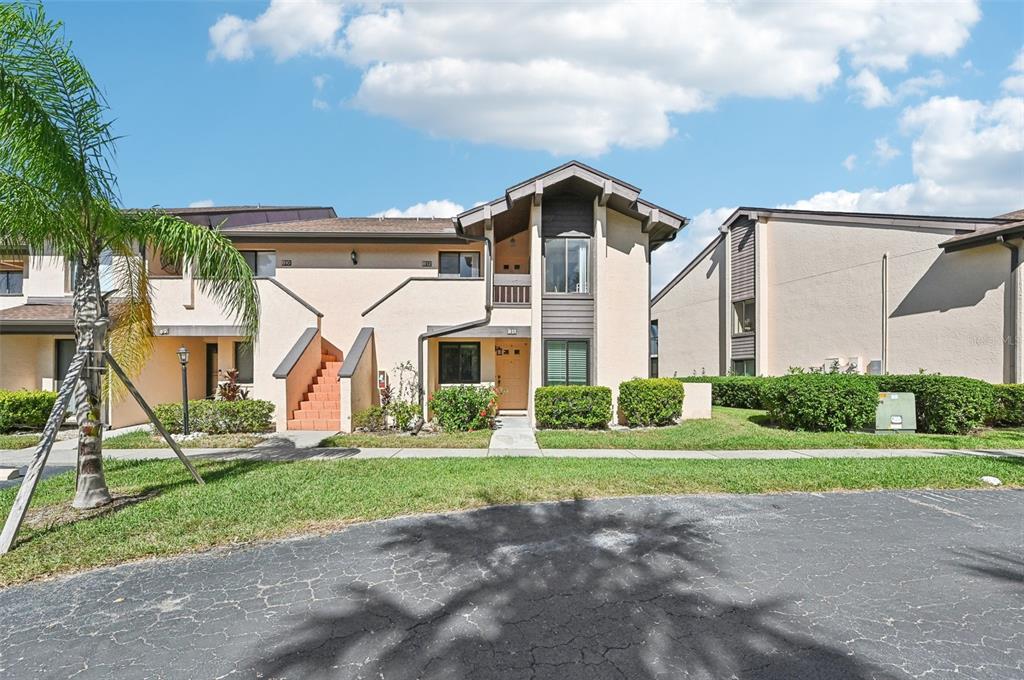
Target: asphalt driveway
(850, 585)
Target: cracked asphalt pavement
(846, 585)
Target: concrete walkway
(513, 433)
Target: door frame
(523, 344)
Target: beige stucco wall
(300, 377)
(160, 379)
(689, 326)
(823, 298)
(359, 392)
(27, 362)
(622, 298)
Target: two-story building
(548, 284)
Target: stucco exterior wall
(824, 299)
(690, 333)
(622, 301)
(359, 392)
(299, 378)
(27, 362)
(160, 379)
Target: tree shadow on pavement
(994, 564)
(560, 590)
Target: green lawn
(737, 428)
(18, 441)
(249, 500)
(143, 439)
(479, 439)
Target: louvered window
(567, 362)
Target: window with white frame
(459, 265)
(567, 265)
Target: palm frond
(131, 333)
(218, 268)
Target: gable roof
(660, 223)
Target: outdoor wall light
(355, 257)
(183, 355)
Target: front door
(512, 373)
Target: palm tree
(58, 194)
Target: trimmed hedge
(219, 416)
(737, 391)
(573, 406)
(823, 402)
(1008, 405)
(24, 409)
(946, 404)
(459, 408)
(644, 402)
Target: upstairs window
(459, 363)
(743, 317)
(567, 362)
(567, 265)
(261, 262)
(12, 275)
(654, 338)
(459, 265)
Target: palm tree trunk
(91, 322)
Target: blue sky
(863, 106)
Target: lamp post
(183, 358)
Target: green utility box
(896, 413)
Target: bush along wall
(644, 402)
(823, 402)
(1008, 405)
(737, 391)
(464, 407)
(945, 404)
(219, 416)
(24, 409)
(573, 406)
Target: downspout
(1014, 283)
(885, 314)
(448, 330)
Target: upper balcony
(512, 290)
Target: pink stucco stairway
(320, 407)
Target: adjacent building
(547, 284)
(779, 290)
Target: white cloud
(966, 161)
(320, 104)
(585, 78)
(436, 208)
(884, 151)
(872, 92)
(205, 203)
(287, 29)
(850, 162)
(1015, 83)
(669, 259)
(319, 81)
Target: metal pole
(184, 399)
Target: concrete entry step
(513, 432)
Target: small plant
(573, 406)
(219, 416)
(372, 419)
(651, 401)
(230, 390)
(464, 407)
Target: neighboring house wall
(825, 288)
(691, 332)
(622, 295)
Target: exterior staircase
(320, 407)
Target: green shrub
(404, 413)
(737, 391)
(650, 401)
(219, 416)
(24, 409)
(573, 406)
(823, 402)
(372, 419)
(945, 404)
(464, 407)
(1008, 405)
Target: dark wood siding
(742, 262)
(567, 317)
(743, 346)
(566, 215)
